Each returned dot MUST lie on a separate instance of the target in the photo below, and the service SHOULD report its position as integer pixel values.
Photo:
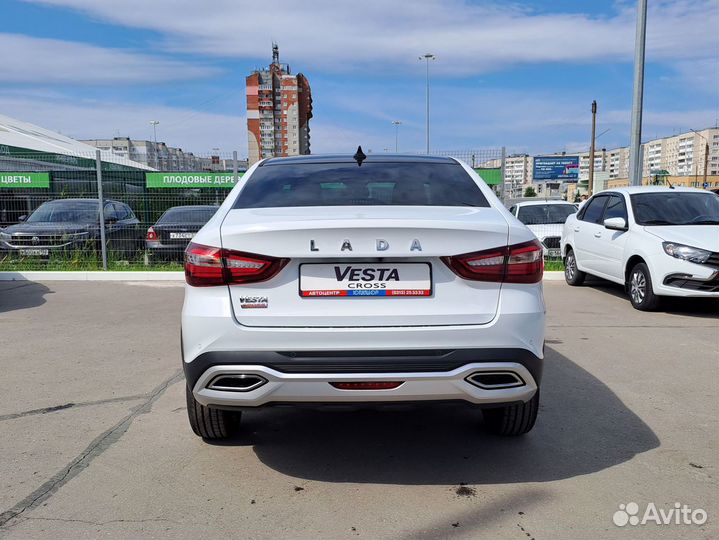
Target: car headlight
(686, 253)
(72, 236)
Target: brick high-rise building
(279, 108)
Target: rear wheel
(640, 288)
(573, 275)
(210, 423)
(512, 420)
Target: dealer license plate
(365, 279)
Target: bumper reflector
(381, 385)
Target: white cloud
(52, 61)
(188, 129)
(326, 35)
(191, 130)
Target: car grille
(713, 260)
(36, 240)
(551, 242)
(682, 282)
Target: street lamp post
(590, 185)
(427, 57)
(154, 123)
(396, 123)
(635, 142)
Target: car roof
(348, 158)
(80, 200)
(193, 207)
(535, 203)
(653, 189)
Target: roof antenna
(359, 156)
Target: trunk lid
(345, 236)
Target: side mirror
(616, 224)
(22, 218)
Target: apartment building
(518, 169)
(156, 155)
(684, 154)
(279, 108)
(679, 155)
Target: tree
(529, 192)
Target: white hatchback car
(656, 241)
(362, 279)
(546, 220)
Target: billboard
(24, 179)
(565, 168)
(190, 179)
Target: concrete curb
(554, 276)
(39, 275)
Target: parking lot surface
(95, 440)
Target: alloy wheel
(638, 287)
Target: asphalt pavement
(95, 442)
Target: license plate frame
(425, 291)
(34, 252)
(182, 235)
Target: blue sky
(514, 74)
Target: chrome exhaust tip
(242, 382)
(495, 380)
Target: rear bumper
(288, 388)
(307, 377)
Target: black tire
(512, 420)
(211, 423)
(639, 286)
(572, 275)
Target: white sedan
(656, 241)
(367, 280)
(546, 220)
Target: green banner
(24, 180)
(190, 179)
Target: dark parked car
(64, 225)
(168, 238)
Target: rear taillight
(207, 266)
(520, 263)
(152, 235)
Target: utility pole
(590, 185)
(427, 57)
(706, 155)
(396, 123)
(635, 142)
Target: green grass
(553, 266)
(82, 261)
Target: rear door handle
(576, 229)
(597, 235)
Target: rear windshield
(199, 215)
(675, 208)
(346, 184)
(544, 214)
